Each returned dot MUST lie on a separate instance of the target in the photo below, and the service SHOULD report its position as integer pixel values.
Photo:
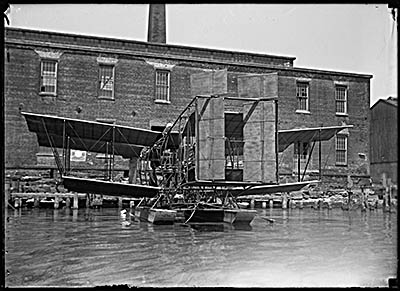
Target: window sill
(303, 111)
(341, 114)
(106, 98)
(48, 94)
(162, 101)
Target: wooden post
(284, 200)
(271, 203)
(120, 202)
(75, 205)
(36, 202)
(329, 203)
(100, 201)
(264, 204)
(363, 202)
(56, 202)
(298, 161)
(252, 203)
(301, 204)
(67, 202)
(389, 182)
(87, 201)
(319, 155)
(316, 204)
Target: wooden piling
(87, 200)
(36, 202)
(56, 202)
(264, 204)
(68, 202)
(75, 203)
(252, 203)
(284, 200)
(120, 202)
(271, 203)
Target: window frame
(339, 150)
(300, 98)
(43, 76)
(166, 100)
(100, 80)
(344, 101)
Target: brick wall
(323, 113)
(134, 104)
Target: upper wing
(91, 135)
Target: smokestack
(157, 28)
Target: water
(302, 248)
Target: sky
(354, 38)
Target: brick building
(147, 84)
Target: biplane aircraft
(196, 167)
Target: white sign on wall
(78, 156)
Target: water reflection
(281, 248)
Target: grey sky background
(357, 38)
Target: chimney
(157, 28)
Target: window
(162, 85)
(48, 77)
(302, 91)
(341, 99)
(341, 150)
(106, 81)
(304, 150)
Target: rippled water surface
(303, 247)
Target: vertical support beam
(180, 152)
(271, 203)
(106, 162)
(319, 155)
(197, 139)
(68, 156)
(308, 161)
(298, 161)
(120, 202)
(112, 154)
(64, 145)
(276, 143)
(187, 149)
